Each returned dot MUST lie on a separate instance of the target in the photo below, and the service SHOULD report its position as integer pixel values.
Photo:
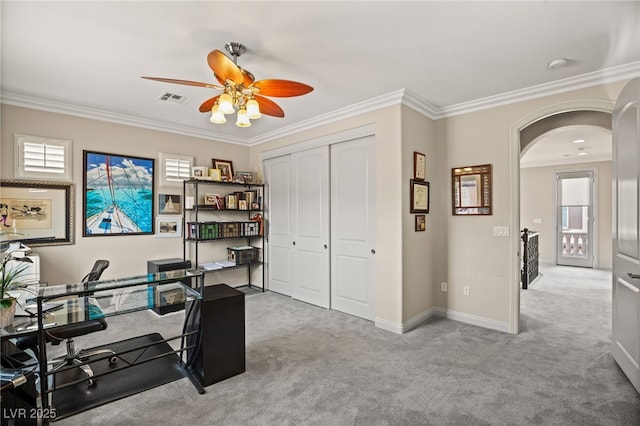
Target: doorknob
(636, 276)
(325, 246)
(294, 243)
(373, 251)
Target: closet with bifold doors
(321, 215)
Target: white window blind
(42, 158)
(175, 169)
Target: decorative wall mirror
(471, 190)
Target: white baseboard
(401, 328)
(473, 319)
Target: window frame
(165, 180)
(20, 168)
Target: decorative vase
(7, 311)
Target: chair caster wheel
(92, 383)
(113, 359)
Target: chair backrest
(96, 271)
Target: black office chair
(68, 332)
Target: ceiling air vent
(176, 99)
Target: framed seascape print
(36, 213)
(419, 196)
(169, 204)
(421, 222)
(226, 169)
(118, 195)
(168, 227)
(419, 166)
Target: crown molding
(402, 96)
(604, 76)
(96, 114)
(373, 104)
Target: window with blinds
(42, 158)
(175, 169)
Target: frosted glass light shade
(243, 118)
(226, 103)
(253, 109)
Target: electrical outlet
(443, 287)
(465, 290)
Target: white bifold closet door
(321, 226)
(353, 227)
(278, 175)
(310, 225)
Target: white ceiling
(443, 58)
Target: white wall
(475, 257)
(128, 254)
(537, 200)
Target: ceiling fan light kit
(241, 94)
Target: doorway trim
(514, 188)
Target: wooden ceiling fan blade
(208, 104)
(224, 67)
(282, 88)
(268, 107)
(185, 82)
(248, 77)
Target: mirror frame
(485, 207)
(61, 211)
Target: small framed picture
(168, 227)
(215, 174)
(419, 166)
(242, 205)
(199, 172)
(211, 199)
(231, 202)
(244, 177)
(169, 204)
(419, 196)
(421, 223)
(226, 169)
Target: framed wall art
(169, 204)
(168, 227)
(226, 169)
(419, 166)
(471, 191)
(118, 195)
(419, 196)
(36, 213)
(421, 222)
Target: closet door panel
(353, 227)
(278, 176)
(310, 213)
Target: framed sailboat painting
(118, 194)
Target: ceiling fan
(241, 92)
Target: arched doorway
(523, 134)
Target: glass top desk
(63, 305)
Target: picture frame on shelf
(168, 227)
(215, 175)
(419, 196)
(225, 167)
(242, 205)
(231, 202)
(244, 177)
(199, 172)
(118, 195)
(210, 199)
(419, 166)
(169, 204)
(421, 222)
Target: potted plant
(9, 281)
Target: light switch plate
(500, 231)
